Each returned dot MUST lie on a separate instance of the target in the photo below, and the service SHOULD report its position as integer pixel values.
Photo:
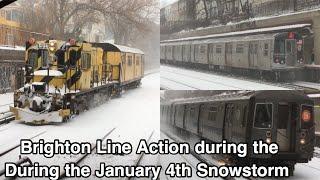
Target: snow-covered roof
(15, 48)
(128, 49)
(53, 73)
(224, 39)
(237, 33)
(117, 48)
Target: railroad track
(179, 83)
(22, 160)
(81, 158)
(289, 86)
(140, 157)
(18, 145)
(205, 80)
(6, 117)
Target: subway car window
(263, 116)
(212, 113)
(244, 117)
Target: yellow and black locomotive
(63, 79)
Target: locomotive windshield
(33, 58)
(263, 116)
(44, 54)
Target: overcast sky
(164, 3)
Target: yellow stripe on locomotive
(64, 79)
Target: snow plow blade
(28, 116)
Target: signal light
(306, 115)
(52, 43)
(268, 140)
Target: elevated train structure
(277, 53)
(282, 117)
(63, 80)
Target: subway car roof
(273, 30)
(246, 95)
(117, 48)
(224, 39)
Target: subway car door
(286, 126)
(202, 116)
(291, 52)
(253, 54)
(227, 127)
(228, 54)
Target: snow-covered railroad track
(22, 160)
(81, 158)
(209, 81)
(18, 145)
(139, 158)
(6, 117)
(178, 85)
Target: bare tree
(66, 18)
(126, 18)
(59, 18)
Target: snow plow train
(63, 80)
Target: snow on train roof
(241, 95)
(116, 47)
(252, 31)
(224, 96)
(224, 39)
(128, 49)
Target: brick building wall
(11, 64)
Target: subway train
(63, 80)
(276, 53)
(282, 117)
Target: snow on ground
(135, 115)
(17, 48)
(5, 99)
(173, 78)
